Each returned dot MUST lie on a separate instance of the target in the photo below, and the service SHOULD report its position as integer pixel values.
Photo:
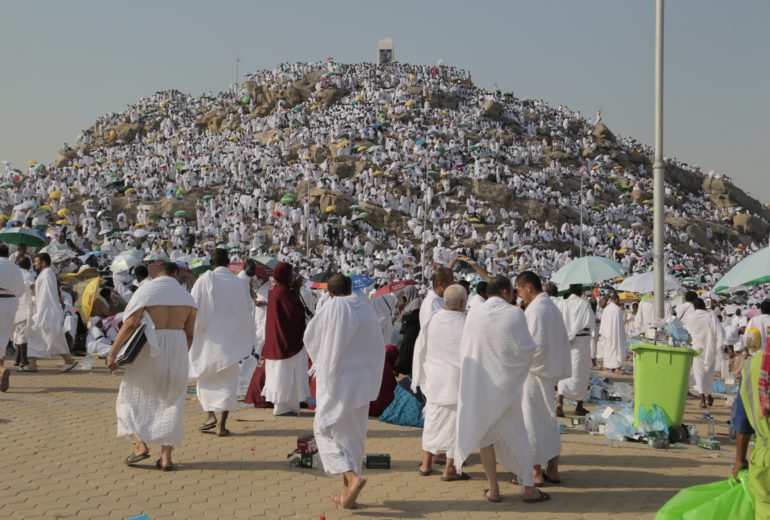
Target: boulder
(65, 157)
(638, 196)
(751, 225)
(329, 96)
(443, 100)
(499, 194)
(491, 110)
(600, 131)
(211, 120)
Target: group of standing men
(488, 377)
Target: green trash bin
(661, 376)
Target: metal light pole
(308, 178)
(658, 168)
(581, 214)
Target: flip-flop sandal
(461, 476)
(493, 500)
(133, 459)
(424, 473)
(542, 498)
(549, 479)
(5, 380)
(207, 427)
(223, 433)
(164, 468)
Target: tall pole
(424, 221)
(581, 214)
(237, 65)
(308, 178)
(658, 168)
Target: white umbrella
(588, 270)
(752, 270)
(58, 252)
(645, 283)
(126, 260)
(141, 232)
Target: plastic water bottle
(693, 434)
(711, 427)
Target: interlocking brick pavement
(61, 460)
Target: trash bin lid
(641, 347)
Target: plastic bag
(623, 391)
(677, 333)
(715, 501)
(619, 425)
(652, 419)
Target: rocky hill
(368, 135)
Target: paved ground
(61, 460)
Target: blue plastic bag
(652, 419)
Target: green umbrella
(334, 219)
(6, 185)
(39, 167)
(245, 100)
(206, 198)
(752, 270)
(20, 235)
(180, 213)
(355, 206)
(290, 196)
(588, 270)
(297, 109)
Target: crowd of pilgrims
(415, 162)
(417, 159)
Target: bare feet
(353, 492)
(559, 411)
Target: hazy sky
(65, 63)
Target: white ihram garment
(432, 304)
(45, 329)
(550, 363)
(286, 382)
(151, 397)
(224, 335)
(579, 321)
(441, 369)
(496, 350)
(708, 336)
(344, 340)
(19, 336)
(12, 288)
(613, 342)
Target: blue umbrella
(361, 281)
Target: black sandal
(163, 468)
(133, 459)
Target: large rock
(329, 96)
(500, 194)
(446, 100)
(491, 110)
(65, 157)
(600, 131)
(211, 120)
(752, 226)
(638, 196)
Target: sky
(63, 64)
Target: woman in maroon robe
(283, 379)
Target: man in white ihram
(613, 342)
(580, 322)
(151, 398)
(437, 373)
(344, 341)
(550, 363)
(45, 331)
(11, 289)
(496, 350)
(708, 336)
(224, 335)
